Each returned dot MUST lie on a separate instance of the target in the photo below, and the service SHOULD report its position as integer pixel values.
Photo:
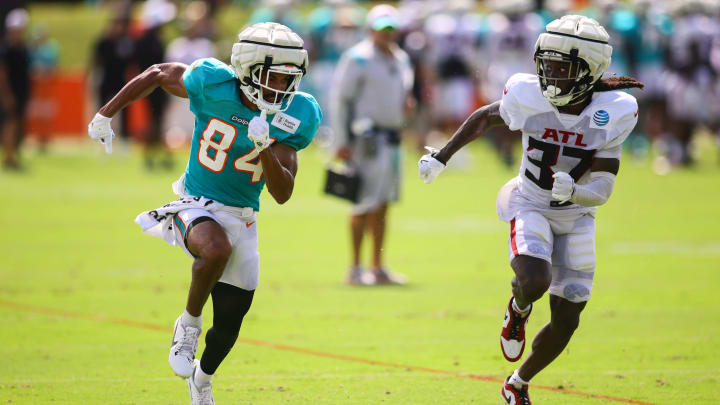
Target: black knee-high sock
(230, 304)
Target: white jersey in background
(555, 142)
(506, 51)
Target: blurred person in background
(235, 152)
(370, 93)
(149, 50)
(44, 58)
(573, 123)
(623, 26)
(552, 9)
(513, 30)
(14, 86)
(279, 11)
(714, 12)
(192, 45)
(638, 49)
(650, 62)
(452, 32)
(111, 56)
(693, 86)
(332, 28)
(414, 40)
(6, 6)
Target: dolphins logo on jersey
(601, 118)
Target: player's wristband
(435, 156)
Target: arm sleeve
(510, 109)
(596, 192)
(345, 85)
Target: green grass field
(87, 301)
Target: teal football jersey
(223, 164)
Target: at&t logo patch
(601, 118)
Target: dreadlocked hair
(617, 83)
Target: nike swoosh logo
(508, 396)
(249, 224)
(173, 339)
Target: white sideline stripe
(669, 247)
(407, 374)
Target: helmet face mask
(564, 79)
(265, 54)
(263, 90)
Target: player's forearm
(137, 88)
(474, 126)
(596, 192)
(279, 180)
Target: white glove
(563, 186)
(99, 129)
(259, 131)
(430, 167)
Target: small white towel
(158, 222)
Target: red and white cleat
(513, 395)
(512, 337)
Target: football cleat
(512, 337)
(513, 395)
(183, 348)
(386, 277)
(358, 276)
(199, 395)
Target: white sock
(522, 312)
(200, 377)
(517, 381)
(187, 319)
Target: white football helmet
(582, 43)
(266, 48)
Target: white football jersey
(555, 142)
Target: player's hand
(99, 129)
(430, 167)
(259, 131)
(563, 186)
